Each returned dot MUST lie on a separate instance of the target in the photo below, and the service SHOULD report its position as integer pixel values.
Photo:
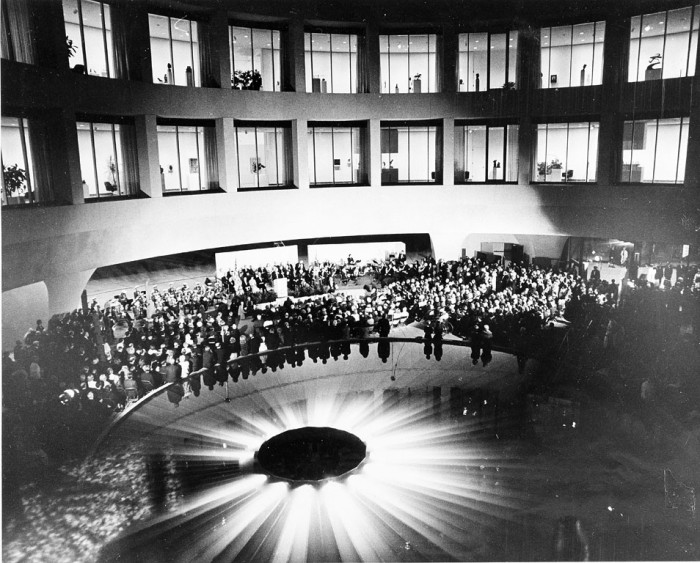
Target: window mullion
(595, 29)
(191, 23)
(488, 61)
(94, 159)
(172, 59)
(690, 41)
(25, 157)
(588, 155)
(663, 49)
(330, 43)
(179, 155)
(656, 151)
(116, 160)
(104, 39)
(678, 151)
(82, 35)
(571, 55)
(546, 78)
(257, 159)
(566, 153)
(199, 166)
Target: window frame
(439, 159)
(251, 26)
(350, 32)
(427, 32)
(568, 122)
(196, 76)
(286, 129)
(27, 162)
(694, 11)
(105, 44)
(197, 124)
(600, 64)
(491, 124)
(633, 119)
(489, 33)
(362, 140)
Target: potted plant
(71, 50)
(509, 86)
(246, 80)
(547, 171)
(14, 183)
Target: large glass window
(664, 45)
(411, 153)
(408, 63)
(331, 62)
(108, 159)
(336, 155)
(567, 152)
(487, 61)
(174, 51)
(17, 165)
(17, 32)
(255, 58)
(486, 153)
(264, 159)
(89, 36)
(655, 150)
(572, 55)
(188, 158)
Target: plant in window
(14, 180)
(543, 168)
(246, 80)
(70, 47)
(509, 86)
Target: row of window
(653, 150)
(662, 45)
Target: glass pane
(418, 162)
(545, 51)
(675, 62)
(283, 146)
(321, 62)
(13, 156)
(627, 150)
(632, 68)
(419, 64)
(401, 158)
(463, 61)
(341, 78)
(557, 142)
(645, 147)
(398, 64)
(108, 40)
(242, 44)
(513, 57)
(652, 46)
(276, 62)
(105, 160)
(72, 23)
(593, 153)
(667, 141)
(432, 157)
(87, 163)
(476, 153)
(190, 162)
(694, 43)
(160, 49)
(582, 55)
(683, 152)
(263, 60)
(324, 155)
(597, 72)
(121, 167)
(497, 62)
(512, 154)
(541, 166)
(247, 157)
(311, 155)
(94, 38)
(560, 57)
(384, 63)
(495, 153)
(575, 163)
(182, 50)
(168, 157)
(342, 156)
(478, 45)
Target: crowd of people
(99, 359)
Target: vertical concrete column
(615, 56)
(375, 153)
(528, 86)
(138, 40)
(65, 156)
(300, 152)
(294, 63)
(149, 165)
(692, 167)
(449, 65)
(448, 151)
(226, 151)
(374, 80)
(220, 49)
(65, 291)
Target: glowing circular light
(311, 454)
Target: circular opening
(311, 454)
